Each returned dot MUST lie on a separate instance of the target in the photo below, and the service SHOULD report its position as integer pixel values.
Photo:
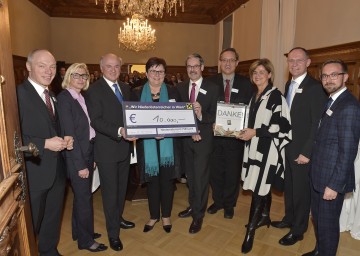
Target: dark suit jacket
(74, 122)
(306, 109)
(241, 83)
(106, 117)
(208, 104)
(37, 126)
(335, 147)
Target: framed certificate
(230, 119)
(159, 119)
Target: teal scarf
(166, 144)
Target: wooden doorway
(16, 233)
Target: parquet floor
(218, 237)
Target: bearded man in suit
(335, 148)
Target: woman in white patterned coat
(268, 132)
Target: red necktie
(48, 103)
(227, 91)
(192, 93)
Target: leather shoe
(124, 224)
(185, 213)
(280, 224)
(229, 213)
(213, 209)
(99, 248)
(166, 227)
(290, 239)
(95, 236)
(115, 244)
(314, 252)
(148, 228)
(195, 226)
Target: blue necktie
(289, 93)
(117, 93)
(328, 103)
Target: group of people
(293, 143)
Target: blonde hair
(66, 82)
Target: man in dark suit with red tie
(111, 147)
(197, 149)
(46, 173)
(332, 169)
(227, 153)
(306, 98)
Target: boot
(265, 216)
(254, 217)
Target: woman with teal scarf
(157, 157)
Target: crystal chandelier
(143, 7)
(137, 35)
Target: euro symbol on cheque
(132, 118)
(189, 105)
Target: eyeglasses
(333, 76)
(260, 73)
(232, 61)
(157, 72)
(298, 61)
(193, 67)
(77, 76)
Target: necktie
(48, 103)
(328, 103)
(227, 91)
(192, 93)
(117, 93)
(289, 97)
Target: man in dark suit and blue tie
(332, 169)
(111, 148)
(306, 98)
(197, 149)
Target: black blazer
(37, 126)
(74, 122)
(241, 84)
(106, 117)
(306, 109)
(207, 100)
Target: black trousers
(113, 184)
(197, 169)
(160, 190)
(326, 215)
(225, 173)
(297, 196)
(83, 213)
(46, 209)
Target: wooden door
(16, 233)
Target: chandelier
(143, 7)
(137, 35)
